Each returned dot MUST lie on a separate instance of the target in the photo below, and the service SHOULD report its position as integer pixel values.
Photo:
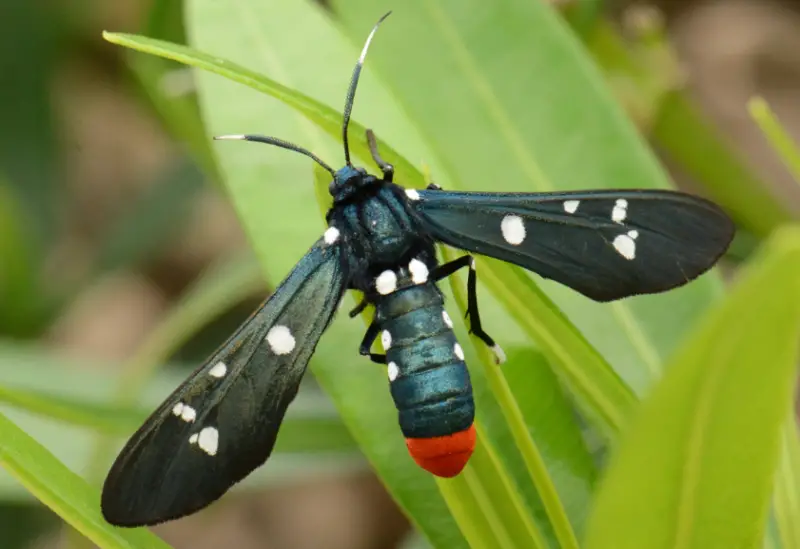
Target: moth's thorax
(380, 229)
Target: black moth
(222, 422)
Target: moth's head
(349, 180)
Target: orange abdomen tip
(443, 456)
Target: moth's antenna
(351, 92)
(278, 143)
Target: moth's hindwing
(605, 244)
(222, 422)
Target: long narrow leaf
(63, 491)
(696, 467)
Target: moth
(222, 422)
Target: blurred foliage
(564, 412)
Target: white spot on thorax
(625, 244)
(459, 352)
(513, 229)
(386, 340)
(219, 370)
(419, 271)
(447, 320)
(620, 211)
(412, 194)
(280, 340)
(208, 441)
(393, 371)
(386, 282)
(331, 235)
(571, 206)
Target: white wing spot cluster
(280, 340)
(393, 371)
(419, 271)
(571, 206)
(620, 211)
(459, 352)
(386, 340)
(219, 370)
(412, 194)
(185, 412)
(625, 244)
(447, 320)
(331, 235)
(386, 282)
(513, 229)
(207, 440)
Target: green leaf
(63, 491)
(696, 467)
(776, 134)
(786, 500)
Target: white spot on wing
(459, 352)
(208, 441)
(447, 320)
(620, 211)
(331, 235)
(386, 282)
(193, 439)
(419, 271)
(188, 414)
(219, 370)
(178, 409)
(513, 229)
(393, 371)
(386, 340)
(412, 194)
(625, 244)
(571, 206)
(280, 340)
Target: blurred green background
(112, 218)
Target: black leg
(359, 308)
(386, 168)
(366, 344)
(475, 327)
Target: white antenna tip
(230, 137)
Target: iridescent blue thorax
(379, 229)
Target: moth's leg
(386, 168)
(443, 271)
(366, 344)
(359, 308)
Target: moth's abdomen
(429, 380)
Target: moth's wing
(222, 422)
(605, 244)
